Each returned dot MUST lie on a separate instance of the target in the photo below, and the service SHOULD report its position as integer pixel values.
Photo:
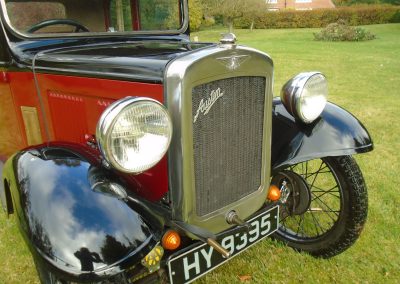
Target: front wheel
(325, 205)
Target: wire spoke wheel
(324, 205)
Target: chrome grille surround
(182, 76)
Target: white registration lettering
(187, 267)
(255, 231)
(265, 224)
(243, 244)
(207, 255)
(229, 243)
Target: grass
(364, 78)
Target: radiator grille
(227, 140)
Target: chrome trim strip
(184, 27)
(100, 74)
(41, 101)
(182, 74)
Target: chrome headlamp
(305, 96)
(134, 134)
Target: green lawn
(364, 78)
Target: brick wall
(299, 4)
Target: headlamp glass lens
(313, 98)
(138, 137)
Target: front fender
(335, 133)
(69, 225)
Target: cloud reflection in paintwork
(75, 218)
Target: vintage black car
(130, 153)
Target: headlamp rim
(107, 121)
(292, 91)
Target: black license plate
(201, 259)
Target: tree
(196, 14)
(254, 8)
(231, 10)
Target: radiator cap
(228, 38)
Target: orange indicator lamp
(274, 194)
(171, 240)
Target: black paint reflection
(71, 224)
(87, 258)
(336, 132)
(113, 249)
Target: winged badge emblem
(234, 61)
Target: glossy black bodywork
(133, 57)
(135, 61)
(71, 218)
(336, 132)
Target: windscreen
(93, 16)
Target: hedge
(354, 15)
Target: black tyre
(326, 205)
